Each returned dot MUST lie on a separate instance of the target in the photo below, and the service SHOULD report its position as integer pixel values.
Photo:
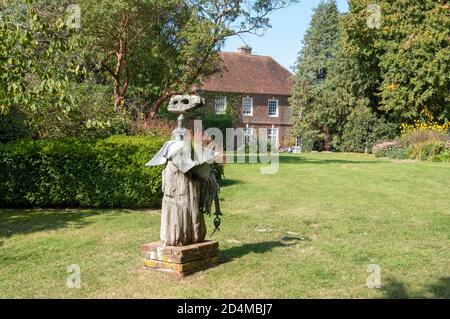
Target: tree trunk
(118, 98)
(158, 103)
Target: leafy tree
(166, 47)
(363, 129)
(407, 59)
(135, 42)
(34, 65)
(314, 114)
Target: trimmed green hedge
(80, 173)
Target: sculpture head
(182, 103)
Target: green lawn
(309, 231)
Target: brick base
(181, 261)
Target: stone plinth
(183, 260)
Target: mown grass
(309, 231)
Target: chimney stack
(245, 49)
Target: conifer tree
(313, 118)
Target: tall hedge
(80, 173)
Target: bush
(426, 150)
(92, 116)
(421, 141)
(398, 153)
(363, 129)
(385, 149)
(12, 126)
(443, 157)
(80, 173)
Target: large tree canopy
(406, 60)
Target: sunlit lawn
(311, 230)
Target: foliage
(315, 118)
(34, 64)
(80, 173)
(443, 157)
(431, 128)
(363, 129)
(157, 127)
(426, 150)
(397, 70)
(135, 42)
(421, 141)
(12, 126)
(92, 115)
(407, 60)
(386, 148)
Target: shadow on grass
(233, 253)
(292, 159)
(26, 221)
(229, 182)
(396, 289)
(299, 159)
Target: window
(221, 104)
(273, 108)
(247, 106)
(247, 135)
(272, 134)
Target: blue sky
(284, 40)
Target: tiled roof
(249, 73)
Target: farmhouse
(257, 88)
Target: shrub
(421, 141)
(443, 157)
(80, 173)
(363, 129)
(12, 126)
(427, 127)
(398, 153)
(426, 150)
(92, 116)
(156, 126)
(387, 148)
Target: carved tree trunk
(182, 223)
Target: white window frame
(251, 106)
(277, 109)
(250, 134)
(271, 135)
(216, 101)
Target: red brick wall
(260, 117)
